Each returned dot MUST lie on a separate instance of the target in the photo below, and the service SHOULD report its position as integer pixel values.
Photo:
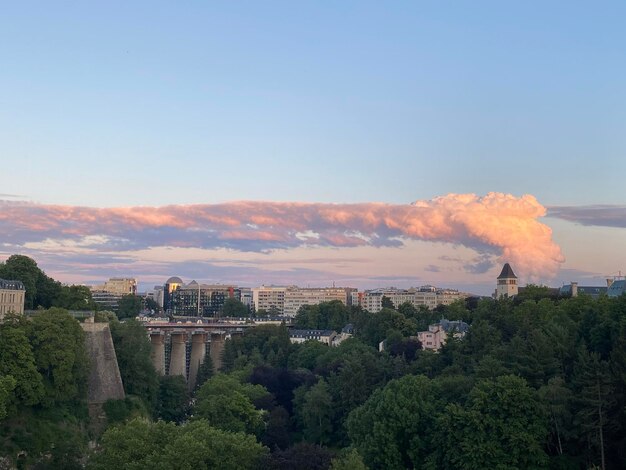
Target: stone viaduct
(180, 348)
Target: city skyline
(121, 109)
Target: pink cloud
(497, 223)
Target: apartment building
(269, 298)
(296, 297)
(426, 296)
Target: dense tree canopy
(141, 444)
(228, 404)
(43, 291)
(59, 345)
(129, 306)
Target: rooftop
(507, 272)
(11, 285)
(617, 288)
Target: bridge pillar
(157, 353)
(178, 356)
(198, 352)
(216, 348)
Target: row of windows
(9, 297)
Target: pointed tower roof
(507, 272)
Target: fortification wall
(105, 381)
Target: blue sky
(154, 103)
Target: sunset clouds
(497, 224)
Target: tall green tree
(17, 360)
(41, 290)
(7, 384)
(228, 404)
(59, 348)
(595, 397)
(393, 429)
(502, 426)
(205, 371)
(75, 298)
(132, 348)
(173, 398)
(557, 400)
(129, 306)
(317, 414)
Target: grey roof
(349, 328)
(593, 291)
(174, 280)
(458, 325)
(11, 285)
(617, 288)
(507, 272)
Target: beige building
(12, 294)
(426, 296)
(288, 300)
(269, 298)
(296, 297)
(119, 286)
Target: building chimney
(574, 289)
(609, 282)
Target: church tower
(507, 282)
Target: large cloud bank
(497, 224)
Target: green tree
(22, 268)
(502, 426)
(557, 400)
(75, 298)
(132, 348)
(308, 317)
(129, 446)
(198, 445)
(393, 429)
(386, 302)
(7, 385)
(228, 404)
(595, 398)
(173, 398)
(40, 289)
(349, 460)
(151, 304)
(378, 325)
(129, 306)
(234, 308)
(17, 360)
(317, 414)
(119, 411)
(59, 348)
(205, 371)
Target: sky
(361, 143)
